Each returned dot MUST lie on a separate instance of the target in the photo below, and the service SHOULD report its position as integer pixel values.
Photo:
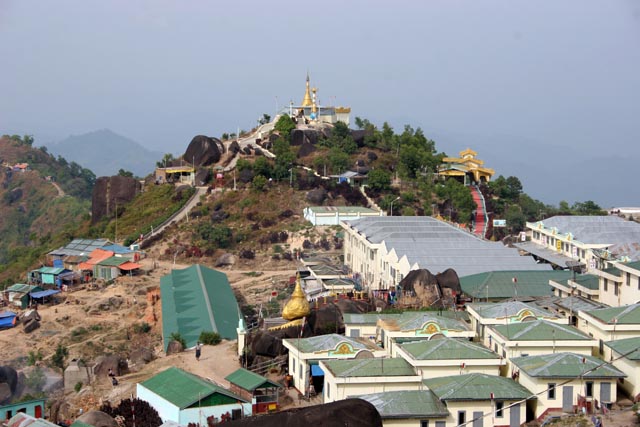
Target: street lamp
(394, 200)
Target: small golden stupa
(306, 101)
(297, 307)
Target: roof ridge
(526, 329)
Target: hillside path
(61, 192)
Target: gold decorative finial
(306, 102)
(297, 306)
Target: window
(462, 417)
(499, 409)
(601, 347)
(628, 279)
(616, 291)
(328, 392)
(551, 391)
(293, 365)
(605, 285)
(424, 423)
(589, 388)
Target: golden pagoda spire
(306, 102)
(297, 306)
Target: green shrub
(175, 336)
(34, 357)
(210, 338)
(78, 386)
(141, 328)
(58, 357)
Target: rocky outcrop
(348, 412)
(300, 136)
(422, 289)
(97, 419)
(8, 383)
(112, 191)
(114, 362)
(204, 150)
(317, 196)
(305, 149)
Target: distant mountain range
(105, 153)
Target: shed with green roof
(184, 398)
(262, 392)
(500, 285)
(197, 299)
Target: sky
(544, 90)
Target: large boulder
(423, 289)
(8, 382)
(30, 325)
(141, 356)
(204, 150)
(225, 260)
(317, 196)
(174, 347)
(300, 136)
(97, 419)
(348, 412)
(305, 149)
(110, 191)
(114, 362)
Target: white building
(332, 215)
(610, 324)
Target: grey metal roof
(436, 245)
(544, 253)
(407, 404)
(80, 247)
(622, 235)
(504, 309)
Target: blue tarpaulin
(43, 294)
(316, 371)
(7, 319)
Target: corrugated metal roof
(624, 315)
(447, 349)
(476, 387)
(500, 284)
(113, 261)
(544, 253)
(623, 236)
(394, 367)
(182, 388)
(635, 265)
(541, 330)
(329, 342)
(565, 365)
(250, 381)
(22, 288)
(365, 318)
(22, 420)
(51, 270)
(436, 245)
(80, 247)
(406, 404)
(625, 346)
(341, 209)
(197, 299)
(500, 310)
(412, 320)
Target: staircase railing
(484, 210)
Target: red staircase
(480, 214)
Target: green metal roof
(22, 288)
(329, 342)
(624, 315)
(589, 281)
(197, 299)
(182, 388)
(113, 261)
(627, 345)
(476, 387)
(500, 284)
(407, 404)
(395, 367)
(565, 365)
(77, 423)
(613, 270)
(248, 380)
(541, 330)
(635, 265)
(447, 349)
(500, 310)
(51, 270)
(364, 318)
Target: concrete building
(185, 398)
(32, 408)
(484, 315)
(409, 408)
(591, 240)
(419, 325)
(619, 284)
(583, 379)
(348, 378)
(306, 353)
(583, 285)
(481, 399)
(383, 250)
(76, 372)
(332, 215)
(449, 356)
(626, 357)
(610, 324)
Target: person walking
(198, 351)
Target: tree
(259, 182)
(166, 159)
(379, 180)
(28, 139)
(123, 172)
(341, 130)
(59, 356)
(338, 160)
(588, 207)
(515, 218)
(284, 126)
(265, 119)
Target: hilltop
(105, 153)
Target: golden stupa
(307, 102)
(297, 307)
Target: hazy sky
(538, 88)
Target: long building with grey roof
(382, 250)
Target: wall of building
(412, 422)
(484, 406)
(200, 415)
(631, 384)
(166, 410)
(342, 390)
(593, 329)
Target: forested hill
(41, 197)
